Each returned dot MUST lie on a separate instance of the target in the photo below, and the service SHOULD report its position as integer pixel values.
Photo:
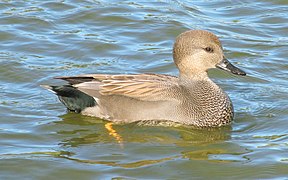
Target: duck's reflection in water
(91, 140)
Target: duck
(191, 98)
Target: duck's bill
(227, 66)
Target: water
(43, 39)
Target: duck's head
(196, 51)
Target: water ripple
(43, 39)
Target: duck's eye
(209, 49)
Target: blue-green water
(43, 39)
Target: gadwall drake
(190, 99)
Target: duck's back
(199, 103)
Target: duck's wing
(145, 87)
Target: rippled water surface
(43, 39)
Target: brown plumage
(191, 99)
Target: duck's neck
(201, 76)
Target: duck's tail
(72, 98)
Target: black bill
(227, 66)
